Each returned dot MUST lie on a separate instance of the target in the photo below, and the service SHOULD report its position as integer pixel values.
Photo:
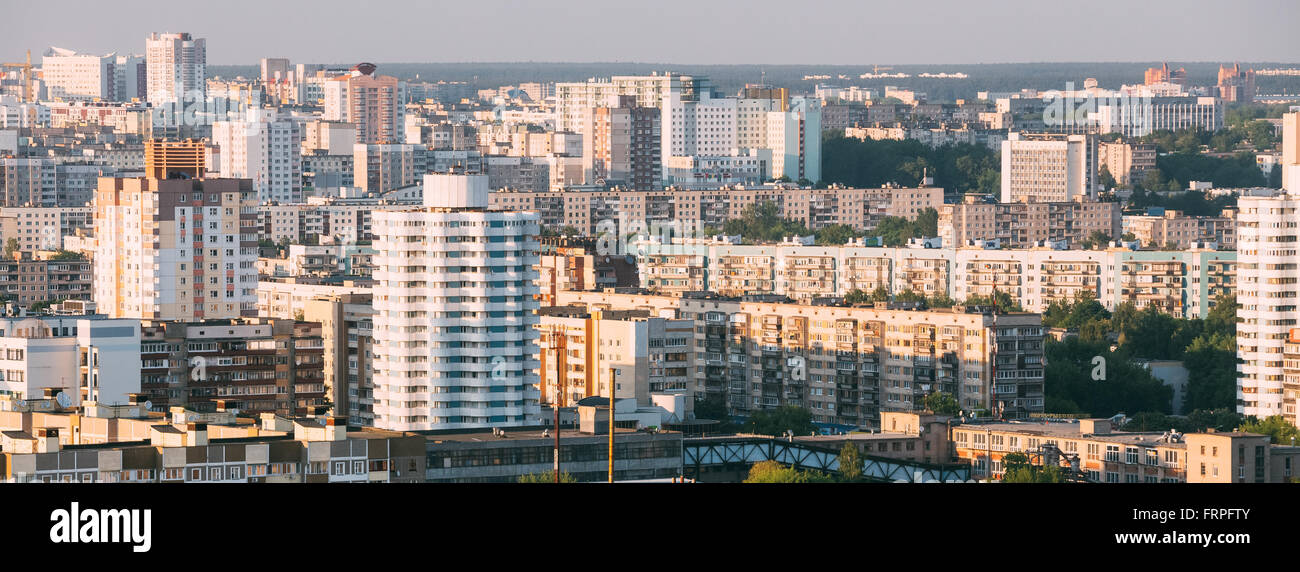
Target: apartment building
(173, 248)
(1183, 283)
(454, 339)
(323, 260)
(621, 146)
(287, 297)
(263, 147)
(569, 263)
(28, 279)
(125, 118)
(1267, 288)
(1291, 376)
(1236, 84)
(1026, 224)
(302, 450)
(1175, 230)
(376, 105)
(71, 76)
(1103, 454)
(347, 332)
(1290, 157)
(379, 168)
(1126, 162)
(253, 365)
(89, 358)
(582, 352)
(849, 364)
(43, 228)
(1040, 167)
(47, 182)
(176, 67)
(596, 212)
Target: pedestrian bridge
(740, 451)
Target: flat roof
(518, 434)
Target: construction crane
(26, 68)
(877, 69)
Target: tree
(774, 472)
(1105, 178)
(64, 255)
(940, 300)
(778, 421)
(999, 299)
(546, 477)
(850, 463)
(927, 222)
(11, 246)
(835, 235)
(910, 296)
(1098, 240)
(762, 222)
(1070, 387)
(896, 230)
(880, 294)
(942, 403)
(712, 407)
(1017, 469)
(856, 296)
(1277, 427)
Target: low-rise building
(1101, 454)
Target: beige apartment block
(175, 248)
(849, 364)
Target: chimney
(196, 434)
(47, 440)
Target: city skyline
(1241, 34)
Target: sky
(827, 32)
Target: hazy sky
(859, 32)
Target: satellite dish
(148, 405)
(63, 400)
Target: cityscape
(287, 271)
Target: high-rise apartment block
(1048, 168)
(176, 65)
(1290, 158)
(376, 105)
(265, 148)
(454, 338)
(621, 146)
(175, 248)
(1267, 289)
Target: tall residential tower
(454, 339)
